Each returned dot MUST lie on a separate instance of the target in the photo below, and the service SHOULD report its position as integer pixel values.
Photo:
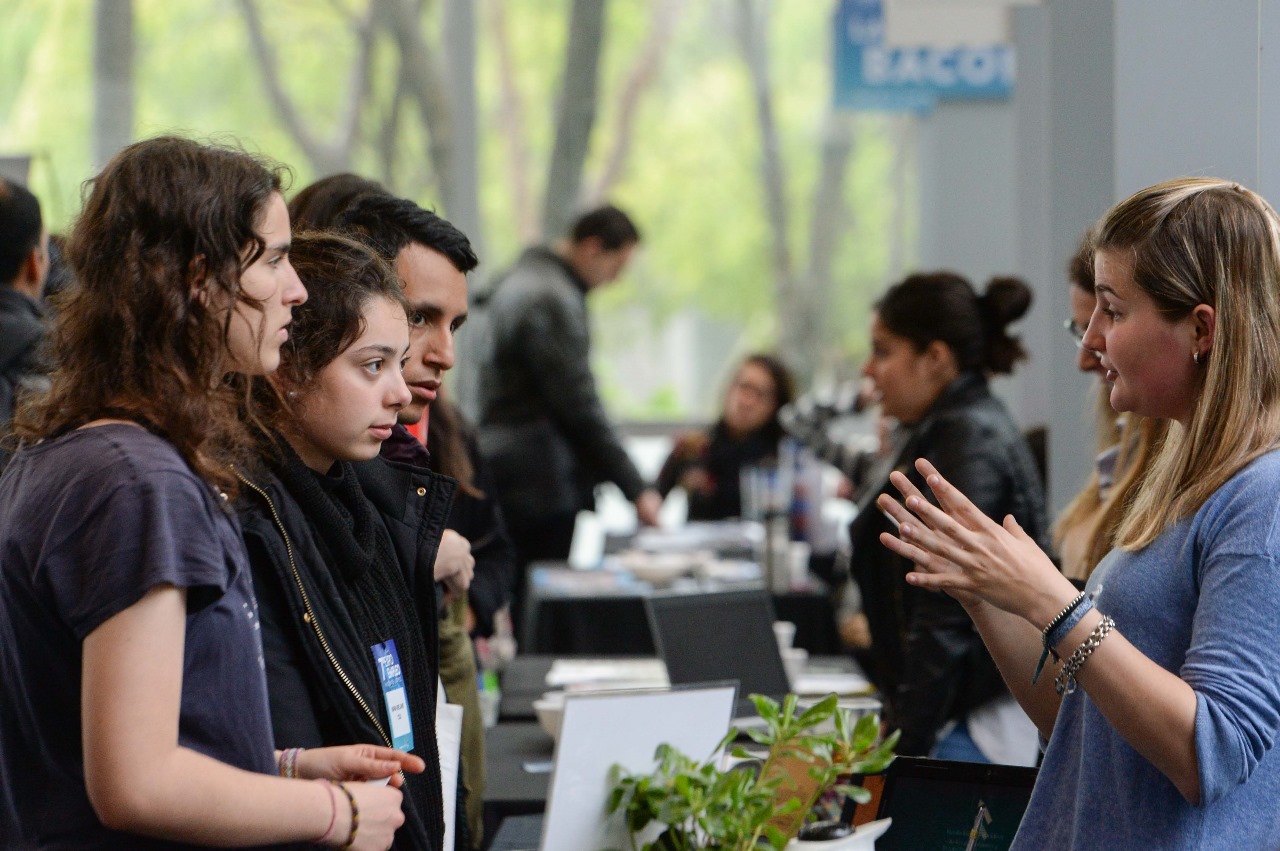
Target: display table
(517, 772)
(525, 680)
(601, 613)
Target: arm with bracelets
(1013, 592)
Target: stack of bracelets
(288, 762)
(1058, 629)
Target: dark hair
(20, 228)
(447, 442)
(167, 228)
(1080, 267)
(388, 224)
(784, 388)
(608, 224)
(943, 306)
(60, 278)
(319, 205)
(342, 277)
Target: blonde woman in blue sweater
(1161, 715)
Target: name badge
(393, 692)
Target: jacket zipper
(311, 615)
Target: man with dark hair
(543, 428)
(24, 265)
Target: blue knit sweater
(1203, 601)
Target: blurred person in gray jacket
(24, 265)
(543, 428)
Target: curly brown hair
(342, 277)
(167, 229)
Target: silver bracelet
(1066, 681)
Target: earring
(293, 394)
(1196, 357)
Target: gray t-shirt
(89, 522)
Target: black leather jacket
(930, 662)
(542, 426)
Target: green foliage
(692, 178)
(699, 805)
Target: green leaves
(735, 809)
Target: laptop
(600, 730)
(940, 804)
(724, 635)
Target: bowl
(660, 568)
(550, 711)
(863, 838)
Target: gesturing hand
(958, 549)
(357, 762)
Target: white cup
(794, 661)
(785, 632)
(798, 562)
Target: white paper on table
(832, 683)
(636, 673)
(449, 742)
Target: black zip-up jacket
(307, 632)
(930, 662)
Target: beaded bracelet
(289, 762)
(1045, 633)
(1066, 682)
(355, 816)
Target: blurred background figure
(1126, 443)
(24, 265)
(543, 428)
(935, 342)
(707, 464)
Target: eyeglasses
(1076, 331)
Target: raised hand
(958, 549)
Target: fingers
(926, 525)
(908, 551)
(952, 501)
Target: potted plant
(685, 804)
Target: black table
(525, 680)
(616, 624)
(511, 789)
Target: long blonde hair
(1138, 439)
(1205, 241)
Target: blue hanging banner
(871, 75)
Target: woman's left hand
(960, 550)
(358, 762)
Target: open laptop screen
(726, 635)
(945, 805)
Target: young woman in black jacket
(934, 342)
(342, 551)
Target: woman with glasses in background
(707, 464)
